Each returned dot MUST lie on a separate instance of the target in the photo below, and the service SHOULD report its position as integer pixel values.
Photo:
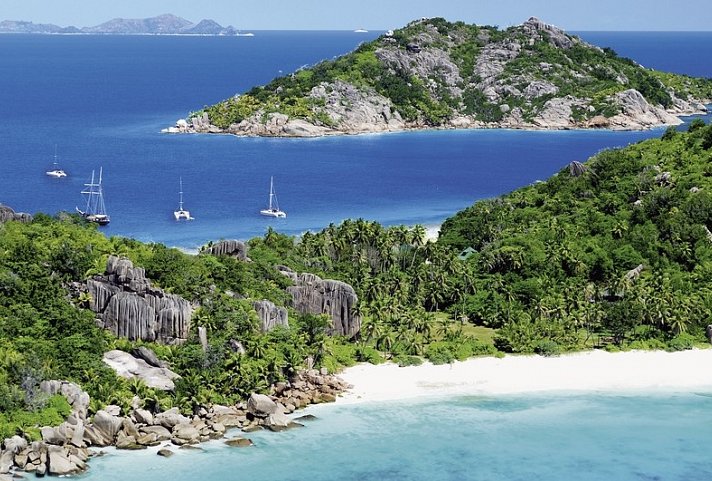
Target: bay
(102, 100)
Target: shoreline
(588, 371)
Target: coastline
(589, 371)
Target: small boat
(181, 213)
(55, 171)
(246, 34)
(95, 210)
(360, 30)
(273, 209)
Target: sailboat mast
(55, 154)
(101, 209)
(180, 202)
(271, 191)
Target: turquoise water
(564, 437)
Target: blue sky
(376, 14)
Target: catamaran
(55, 171)
(273, 209)
(95, 210)
(181, 214)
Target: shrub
(682, 342)
(406, 360)
(547, 347)
(439, 353)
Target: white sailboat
(273, 209)
(181, 213)
(95, 210)
(55, 171)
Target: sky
(375, 14)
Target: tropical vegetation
(613, 253)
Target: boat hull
(273, 213)
(56, 173)
(182, 215)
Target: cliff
(437, 74)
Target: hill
(165, 24)
(438, 74)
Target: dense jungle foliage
(617, 254)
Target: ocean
(601, 436)
(102, 101)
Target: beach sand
(586, 372)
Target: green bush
(405, 360)
(682, 342)
(547, 347)
(439, 353)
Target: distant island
(439, 74)
(166, 24)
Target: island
(438, 74)
(166, 24)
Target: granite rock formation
(7, 213)
(270, 315)
(314, 295)
(232, 248)
(128, 306)
(131, 367)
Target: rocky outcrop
(7, 213)
(270, 315)
(636, 112)
(231, 248)
(130, 367)
(313, 295)
(128, 306)
(75, 396)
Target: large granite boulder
(7, 213)
(261, 406)
(129, 306)
(270, 315)
(170, 419)
(313, 295)
(231, 248)
(130, 367)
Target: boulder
(313, 295)
(148, 439)
(54, 435)
(15, 444)
(7, 214)
(130, 367)
(185, 434)
(270, 315)
(171, 418)
(7, 460)
(166, 453)
(161, 433)
(142, 352)
(239, 442)
(260, 405)
(106, 427)
(143, 417)
(231, 248)
(129, 306)
(58, 462)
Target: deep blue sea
(102, 100)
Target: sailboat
(95, 210)
(181, 214)
(273, 209)
(55, 171)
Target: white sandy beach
(587, 371)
